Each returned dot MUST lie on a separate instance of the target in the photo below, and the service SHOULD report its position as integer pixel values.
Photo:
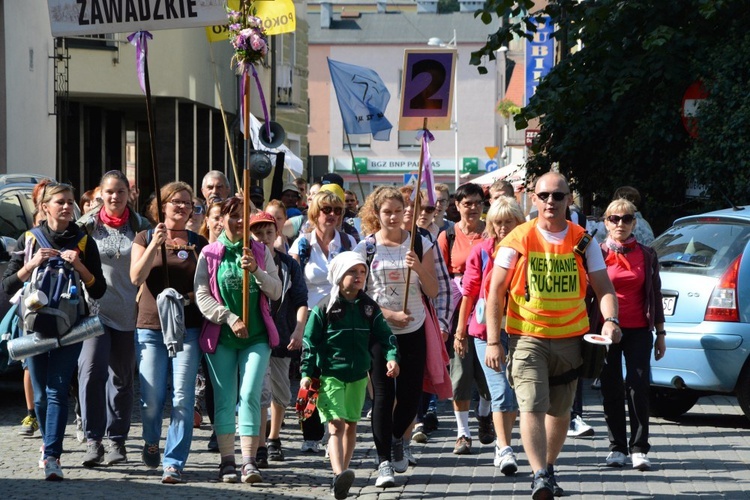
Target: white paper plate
(597, 339)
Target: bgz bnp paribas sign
(378, 165)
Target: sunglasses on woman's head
(328, 210)
(557, 195)
(615, 219)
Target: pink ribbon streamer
(262, 102)
(140, 40)
(428, 176)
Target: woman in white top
(315, 247)
(390, 257)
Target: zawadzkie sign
(95, 17)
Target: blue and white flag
(362, 98)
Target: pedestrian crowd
(398, 298)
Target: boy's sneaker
(310, 446)
(116, 453)
(419, 435)
(506, 460)
(228, 472)
(579, 428)
(640, 461)
(541, 489)
(342, 483)
(52, 469)
(430, 422)
(94, 454)
(398, 461)
(385, 478)
(29, 425)
(486, 429)
(150, 455)
(463, 446)
(250, 473)
(615, 459)
(80, 435)
(275, 453)
(261, 457)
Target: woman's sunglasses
(615, 219)
(198, 210)
(328, 210)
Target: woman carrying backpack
(106, 366)
(51, 372)
(314, 250)
(157, 369)
(390, 260)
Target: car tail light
(722, 306)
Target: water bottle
(73, 292)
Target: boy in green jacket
(336, 349)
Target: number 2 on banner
(428, 89)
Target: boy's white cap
(338, 266)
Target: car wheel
(671, 403)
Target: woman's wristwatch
(661, 332)
(612, 320)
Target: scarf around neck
(618, 251)
(113, 220)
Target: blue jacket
(293, 296)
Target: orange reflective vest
(546, 296)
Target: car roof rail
(6, 179)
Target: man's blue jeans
(157, 373)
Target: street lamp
(437, 42)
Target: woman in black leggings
(388, 251)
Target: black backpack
(51, 302)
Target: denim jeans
(157, 373)
(503, 396)
(51, 373)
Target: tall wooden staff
(248, 149)
(140, 40)
(415, 212)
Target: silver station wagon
(705, 273)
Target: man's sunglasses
(328, 210)
(557, 195)
(615, 219)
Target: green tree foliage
(610, 112)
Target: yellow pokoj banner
(278, 17)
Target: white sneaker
(385, 478)
(506, 460)
(615, 459)
(41, 457)
(310, 446)
(640, 461)
(579, 428)
(52, 470)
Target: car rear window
(703, 247)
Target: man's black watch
(613, 320)
(661, 332)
